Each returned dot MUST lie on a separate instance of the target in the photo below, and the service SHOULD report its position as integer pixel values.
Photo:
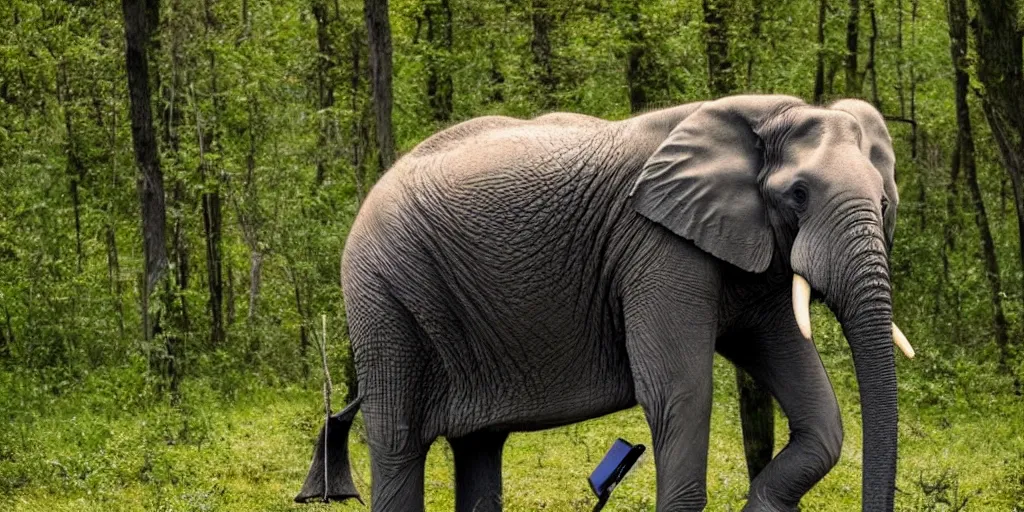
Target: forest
(178, 178)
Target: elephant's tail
(330, 477)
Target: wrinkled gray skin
(511, 275)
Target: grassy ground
(96, 445)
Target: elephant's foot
(761, 502)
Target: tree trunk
(150, 186)
(255, 279)
(151, 180)
(211, 200)
(721, 79)
(634, 60)
(179, 250)
(171, 119)
(229, 299)
(913, 83)
(957, 15)
(7, 336)
(756, 410)
(853, 83)
(540, 44)
(326, 62)
(999, 68)
(113, 265)
(819, 72)
(300, 308)
(75, 167)
(755, 35)
(114, 276)
(358, 130)
(497, 78)
(900, 58)
(952, 222)
(649, 84)
(438, 16)
(378, 28)
(870, 66)
(757, 417)
(246, 20)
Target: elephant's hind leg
(396, 383)
(478, 471)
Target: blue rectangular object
(619, 459)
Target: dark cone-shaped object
(330, 477)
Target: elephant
(514, 275)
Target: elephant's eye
(798, 195)
(885, 206)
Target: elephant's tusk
(901, 341)
(802, 304)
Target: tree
(956, 11)
(437, 15)
(378, 28)
(721, 75)
(999, 67)
(327, 57)
(150, 184)
(542, 21)
(819, 70)
(208, 140)
(648, 79)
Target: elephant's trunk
(870, 338)
(864, 309)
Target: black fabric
(338, 475)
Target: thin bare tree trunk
(819, 71)
(952, 222)
(75, 167)
(304, 319)
(634, 63)
(9, 338)
(755, 35)
(211, 200)
(721, 76)
(359, 134)
(913, 82)
(440, 88)
(229, 298)
(900, 59)
(870, 66)
(326, 62)
(113, 265)
(171, 118)
(378, 28)
(540, 46)
(853, 83)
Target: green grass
(97, 444)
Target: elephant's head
(752, 179)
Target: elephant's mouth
(802, 312)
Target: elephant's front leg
(670, 341)
(790, 368)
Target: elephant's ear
(876, 144)
(701, 183)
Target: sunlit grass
(213, 453)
